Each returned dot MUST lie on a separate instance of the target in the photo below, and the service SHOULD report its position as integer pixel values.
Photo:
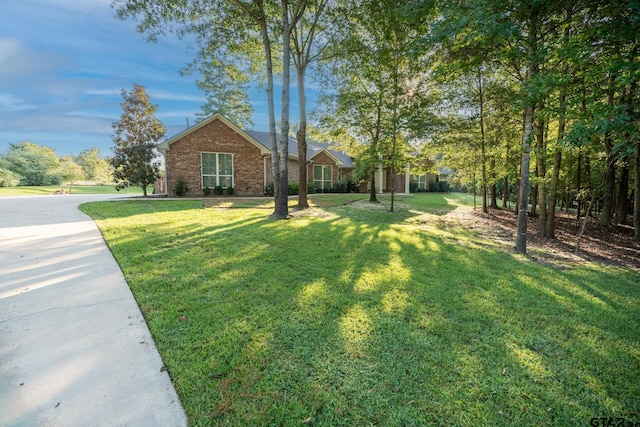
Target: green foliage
(230, 191)
(71, 171)
(135, 160)
(206, 191)
(225, 87)
(35, 164)
(217, 190)
(8, 178)
(180, 189)
(376, 86)
(95, 167)
(293, 188)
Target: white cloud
(103, 92)
(10, 102)
(19, 61)
(160, 94)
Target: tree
(377, 87)
(309, 41)
(225, 87)
(135, 160)
(95, 167)
(71, 171)
(232, 28)
(516, 36)
(35, 164)
(8, 178)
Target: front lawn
(352, 315)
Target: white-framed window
(217, 169)
(421, 180)
(322, 176)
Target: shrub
(9, 178)
(413, 187)
(206, 191)
(294, 189)
(230, 191)
(434, 187)
(180, 188)
(443, 186)
(311, 187)
(217, 190)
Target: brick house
(217, 152)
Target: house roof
(445, 171)
(313, 148)
(263, 141)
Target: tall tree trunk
(532, 71)
(372, 193)
(609, 185)
(550, 229)
(505, 193)
(636, 192)
(579, 184)
(483, 154)
(266, 44)
(523, 195)
(494, 187)
(587, 182)
(301, 136)
(541, 167)
(610, 174)
(533, 210)
(622, 208)
(282, 202)
(518, 174)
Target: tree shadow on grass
(354, 318)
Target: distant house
(215, 152)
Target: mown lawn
(75, 189)
(353, 315)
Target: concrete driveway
(74, 347)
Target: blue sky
(63, 64)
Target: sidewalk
(74, 348)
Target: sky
(63, 64)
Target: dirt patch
(610, 245)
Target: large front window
(421, 180)
(322, 176)
(217, 169)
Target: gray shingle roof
(313, 147)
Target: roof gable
(164, 146)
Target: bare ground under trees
(609, 245)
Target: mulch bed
(610, 245)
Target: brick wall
(183, 159)
(294, 172)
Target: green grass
(353, 315)
(76, 189)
